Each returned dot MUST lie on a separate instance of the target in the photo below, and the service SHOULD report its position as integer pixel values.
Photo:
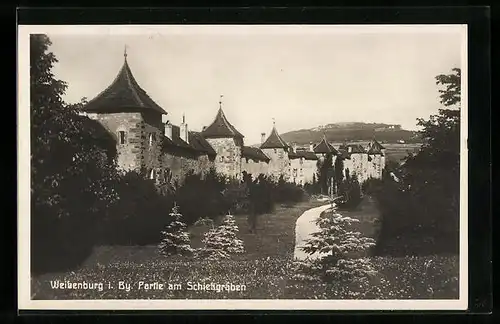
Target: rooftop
(124, 93)
(221, 127)
(274, 140)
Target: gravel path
(305, 226)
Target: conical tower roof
(221, 127)
(274, 140)
(375, 147)
(324, 147)
(124, 93)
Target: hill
(352, 131)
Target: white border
(24, 276)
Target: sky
(300, 76)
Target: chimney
(184, 133)
(294, 147)
(168, 130)
(262, 138)
(204, 127)
(311, 147)
(349, 149)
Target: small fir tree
(222, 241)
(175, 236)
(341, 252)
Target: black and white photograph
(242, 167)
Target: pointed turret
(221, 127)
(274, 140)
(324, 147)
(124, 94)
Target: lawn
(263, 272)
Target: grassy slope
(264, 268)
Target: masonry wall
(228, 159)
(178, 164)
(128, 154)
(253, 167)
(279, 163)
(152, 132)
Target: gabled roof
(355, 148)
(200, 144)
(325, 147)
(302, 154)
(124, 93)
(221, 127)
(374, 149)
(376, 145)
(197, 144)
(254, 153)
(274, 141)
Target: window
(152, 138)
(152, 174)
(221, 159)
(121, 137)
(275, 150)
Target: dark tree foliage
(139, 215)
(325, 172)
(421, 212)
(72, 170)
(350, 193)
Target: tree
(325, 172)
(72, 169)
(339, 172)
(341, 251)
(222, 241)
(427, 202)
(175, 236)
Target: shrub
(201, 197)
(288, 192)
(350, 191)
(138, 216)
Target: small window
(121, 135)
(221, 159)
(275, 150)
(152, 138)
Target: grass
(263, 272)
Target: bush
(139, 215)
(350, 192)
(202, 197)
(288, 192)
(414, 221)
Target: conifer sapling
(222, 241)
(175, 236)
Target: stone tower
(134, 120)
(227, 142)
(277, 151)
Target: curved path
(305, 226)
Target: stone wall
(178, 164)
(255, 168)
(129, 153)
(279, 163)
(228, 159)
(152, 132)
